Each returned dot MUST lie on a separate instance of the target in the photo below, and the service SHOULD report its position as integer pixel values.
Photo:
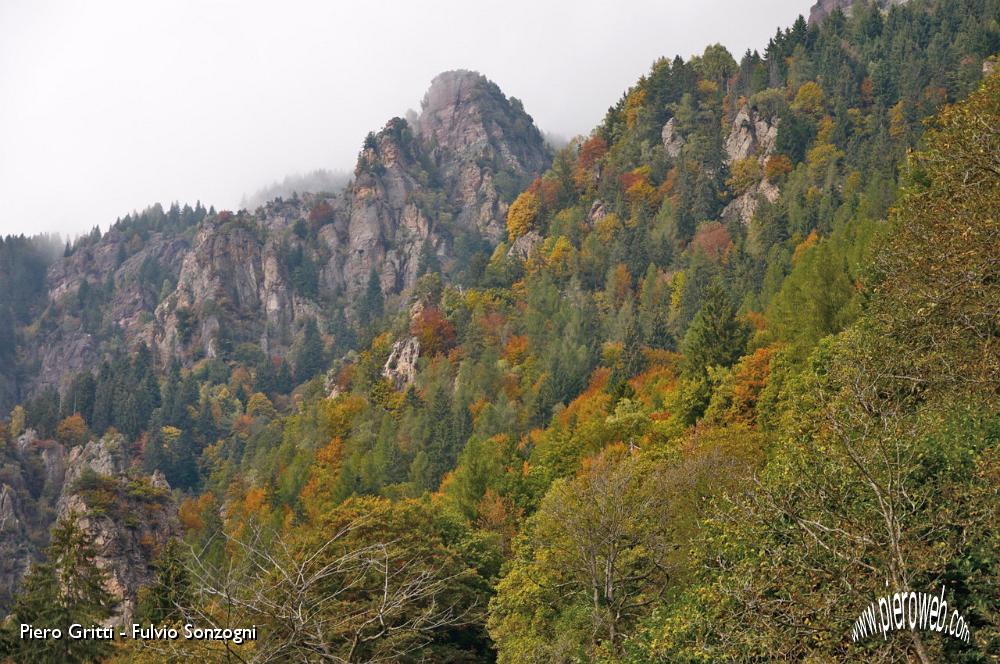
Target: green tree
(716, 337)
(309, 355)
(170, 595)
(372, 302)
(67, 588)
(597, 551)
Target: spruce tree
(716, 337)
(103, 400)
(67, 588)
(265, 379)
(283, 383)
(371, 306)
(308, 357)
(166, 599)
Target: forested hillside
(699, 386)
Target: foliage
(662, 436)
(522, 214)
(68, 587)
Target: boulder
(744, 207)
(597, 212)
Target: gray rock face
(420, 183)
(525, 245)
(401, 367)
(232, 271)
(104, 457)
(597, 212)
(477, 133)
(15, 551)
(129, 529)
(31, 477)
(744, 207)
(672, 140)
(128, 516)
(70, 349)
(750, 135)
(467, 138)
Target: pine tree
(165, 600)
(343, 335)
(67, 588)
(631, 362)
(205, 428)
(308, 357)
(372, 303)
(43, 412)
(654, 312)
(153, 455)
(103, 400)
(265, 380)
(715, 336)
(79, 397)
(283, 382)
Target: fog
(318, 181)
(109, 106)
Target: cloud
(112, 105)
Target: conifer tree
(308, 357)
(103, 400)
(67, 588)
(371, 305)
(166, 599)
(716, 337)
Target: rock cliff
(751, 136)
(127, 515)
(421, 185)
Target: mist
(318, 181)
(110, 106)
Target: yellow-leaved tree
(522, 214)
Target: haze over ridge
(112, 106)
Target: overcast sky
(110, 106)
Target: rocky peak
(484, 144)
(127, 515)
(672, 140)
(193, 289)
(454, 168)
(401, 367)
(751, 136)
(466, 114)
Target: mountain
(699, 386)
(128, 515)
(433, 190)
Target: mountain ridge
(415, 190)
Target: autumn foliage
(72, 430)
(713, 239)
(435, 332)
(587, 161)
(522, 214)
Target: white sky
(108, 106)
